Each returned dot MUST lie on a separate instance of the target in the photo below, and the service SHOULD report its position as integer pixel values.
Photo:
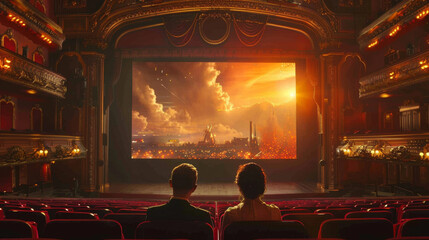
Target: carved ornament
(24, 72)
(114, 15)
(402, 74)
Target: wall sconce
(42, 152)
(424, 156)
(377, 153)
(347, 152)
(75, 151)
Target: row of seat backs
(110, 229)
(105, 229)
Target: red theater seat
(365, 214)
(174, 229)
(39, 217)
(311, 221)
(83, 229)
(75, 215)
(264, 229)
(359, 228)
(53, 211)
(99, 212)
(337, 212)
(418, 227)
(13, 228)
(128, 221)
(415, 213)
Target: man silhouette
(184, 182)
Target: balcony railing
(398, 147)
(20, 70)
(17, 149)
(36, 22)
(405, 73)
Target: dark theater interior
(214, 119)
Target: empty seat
(75, 215)
(128, 221)
(73, 229)
(415, 213)
(264, 229)
(39, 217)
(359, 228)
(53, 210)
(377, 214)
(174, 229)
(390, 209)
(99, 212)
(337, 212)
(295, 210)
(1, 214)
(132, 210)
(417, 227)
(311, 221)
(13, 228)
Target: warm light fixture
(46, 39)
(42, 152)
(373, 44)
(6, 63)
(75, 151)
(16, 20)
(31, 91)
(385, 95)
(394, 31)
(422, 14)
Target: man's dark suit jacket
(178, 210)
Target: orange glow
(422, 14)
(373, 44)
(31, 91)
(394, 31)
(385, 95)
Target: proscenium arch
(108, 22)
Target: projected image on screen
(213, 110)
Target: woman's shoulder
(234, 209)
(272, 206)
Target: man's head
(183, 179)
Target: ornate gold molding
(34, 19)
(31, 75)
(114, 15)
(405, 73)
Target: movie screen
(213, 110)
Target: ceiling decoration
(313, 17)
(214, 27)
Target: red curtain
(38, 58)
(37, 120)
(6, 116)
(45, 173)
(9, 43)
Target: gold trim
(293, 29)
(40, 53)
(10, 38)
(134, 30)
(214, 41)
(70, 54)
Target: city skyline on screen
(204, 110)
